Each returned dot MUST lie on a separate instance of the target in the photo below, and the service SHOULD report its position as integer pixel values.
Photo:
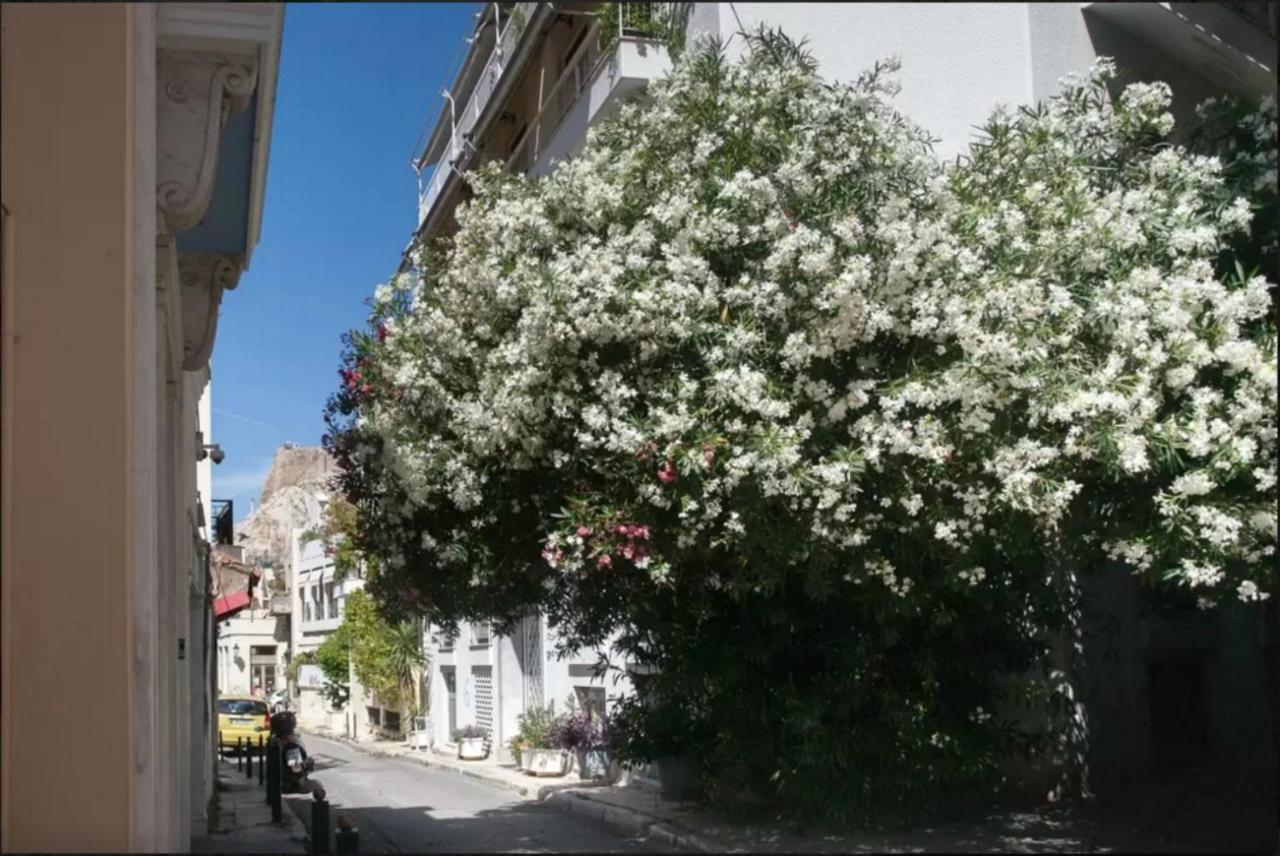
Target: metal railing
(462, 120)
(223, 528)
(652, 21)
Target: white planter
(420, 740)
(547, 762)
(471, 748)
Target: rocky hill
(291, 497)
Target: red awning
(225, 607)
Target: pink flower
(584, 531)
(622, 529)
(605, 561)
(667, 473)
(646, 451)
(709, 454)
(641, 532)
(628, 551)
(382, 333)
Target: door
(451, 690)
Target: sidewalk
(242, 823)
(1184, 816)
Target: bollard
(273, 779)
(222, 753)
(347, 836)
(248, 758)
(239, 754)
(262, 758)
(319, 823)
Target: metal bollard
(262, 762)
(239, 754)
(319, 823)
(347, 836)
(222, 754)
(248, 758)
(273, 779)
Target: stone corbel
(197, 91)
(204, 277)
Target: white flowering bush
(816, 421)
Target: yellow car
(242, 717)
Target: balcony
(603, 72)
(474, 98)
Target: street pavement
(404, 807)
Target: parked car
(243, 717)
(279, 700)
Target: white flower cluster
(766, 307)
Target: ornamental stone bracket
(196, 92)
(204, 276)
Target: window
(480, 634)
(306, 604)
(591, 699)
(333, 601)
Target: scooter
(295, 764)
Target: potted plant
(472, 742)
(420, 733)
(537, 745)
(585, 733)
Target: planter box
(472, 749)
(678, 777)
(594, 765)
(420, 740)
(546, 762)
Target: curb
(631, 821)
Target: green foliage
(334, 658)
(386, 658)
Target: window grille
(482, 676)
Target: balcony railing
(619, 22)
(462, 118)
(223, 528)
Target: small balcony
(466, 104)
(617, 58)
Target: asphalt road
(404, 807)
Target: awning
(225, 607)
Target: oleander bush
(825, 428)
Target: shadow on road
(520, 828)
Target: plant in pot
(537, 739)
(472, 742)
(667, 731)
(585, 733)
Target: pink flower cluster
(627, 543)
(667, 473)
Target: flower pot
(471, 748)
(547, 762)
(420, 740)
(678, 777)
(593, 764)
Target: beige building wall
(105, 715)
(73, 565)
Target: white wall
(958, 60)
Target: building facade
(134, 153)
(318, 607)
(537, 76)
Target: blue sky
(357, 82)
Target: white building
(318, 607)
(537, 75)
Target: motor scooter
(295, 764)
